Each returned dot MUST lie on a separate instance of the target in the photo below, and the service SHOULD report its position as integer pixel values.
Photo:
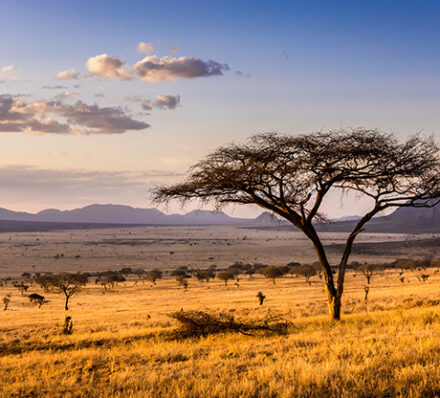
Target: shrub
(199, 323)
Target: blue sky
(311, 64)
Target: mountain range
(405, 220)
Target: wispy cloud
(68, 74)
(19, 182)
(162, 101)
(55, 87)
(8, 73)
(174, 48)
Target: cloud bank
(19, 183)
(37, 117)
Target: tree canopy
(291, 175)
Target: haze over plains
(99, 103)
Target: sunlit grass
(121, 345)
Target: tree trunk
(334, 306)
(66, 306)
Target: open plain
(123, 343)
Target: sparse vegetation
(153, 275)
(65, 283)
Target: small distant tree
(273, 272)
(181, 271)
(292, 175)
(205, 276)
(368, 271)
(6, 301)
(261, 297)
(234, 270)
(26, 275)
(307, 271)
(182, 281)
(366, 290)
(225, 276)
(111, 278)
(22, 287)
(66, 283)
(126, 271)
(250, 272)
(139, 272)
(154, 275)
(36, 298)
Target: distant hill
(120, 214)
(403, 220)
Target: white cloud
(68, 74)
(155, 69)
(145, 47)
(107, 66)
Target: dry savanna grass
(123, 343)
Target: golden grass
(119, 347)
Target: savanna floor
(121, 344)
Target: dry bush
(200, 323)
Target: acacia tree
(66, 283)
(291, 176)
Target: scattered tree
(66, 283)
(273, 272)
(36, 298)
(154, 275)
(182, 281)
(22, 287)
(26, 275)
(205, 275)
(110, 278)
(125, 271)
(305, 270)
(368, 272)
(6, 301)
(139, 272)
(366, 290)
(225, 276)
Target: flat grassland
(122, 344)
